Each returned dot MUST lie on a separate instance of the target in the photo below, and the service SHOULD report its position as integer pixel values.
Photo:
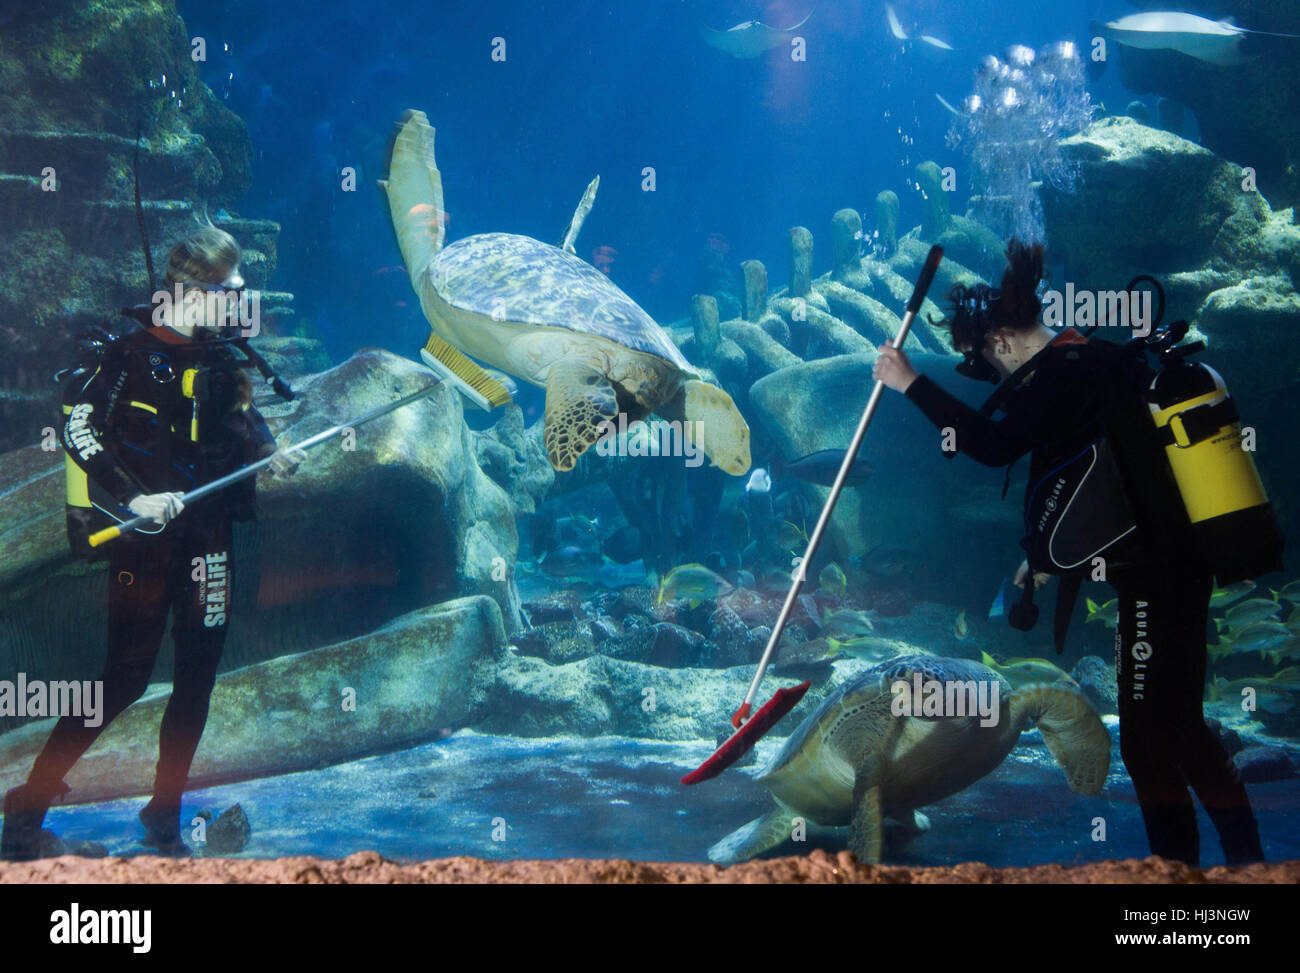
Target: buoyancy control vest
(143, 415)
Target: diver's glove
(1022, 572)
(161, 507)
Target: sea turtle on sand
(541, 313)
(853, 761)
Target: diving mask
(977, 306)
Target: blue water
(618, 797)
(742, 149)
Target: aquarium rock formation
(415, 679)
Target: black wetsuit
(133, 429)
(1078, 392)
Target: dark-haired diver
(163, 409)
(1072, 396)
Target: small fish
(843, 623)
(694, 582)
(1222, 597)
(1290, 649)
(960, 627)
(886, 561)
(1107, 614)
(823, 466)
(1256, 637)
(602, 258)
(578, 529)
(1025, 672)
(759, 482)
(831, 580)
(1289, 592)
(1251, 611)
(791, 537)
(570, 560)
(744, 579)
(871, 648)
(749, 38)
(1273, 693)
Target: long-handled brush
(468, 378)
(750, 729)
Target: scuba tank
(1200, 430)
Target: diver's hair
(208, 254)
(969, 316)
(975, 311)
(1018, 307)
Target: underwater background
(537, 657)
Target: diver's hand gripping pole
(913, 308)
(252, 469)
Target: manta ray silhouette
(1215, 42)
(750, 38)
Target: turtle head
(715, 425)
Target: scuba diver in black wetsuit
(1074, 392)
(164, 408)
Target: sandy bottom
(819, 867)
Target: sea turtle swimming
(541, 313)
(853, 762)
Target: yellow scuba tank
(1200, 429)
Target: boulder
(1143, 179)
(597, 696)
(816, 405)
(419, 677)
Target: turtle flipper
(579, 215)
(867, 827)
(713, 423)
(579, 401)
(1072, 731)
(760, 835)
(414, 188)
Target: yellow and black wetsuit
(1079, 391)
(159, 414)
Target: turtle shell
(516, 278)
(877, 680)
